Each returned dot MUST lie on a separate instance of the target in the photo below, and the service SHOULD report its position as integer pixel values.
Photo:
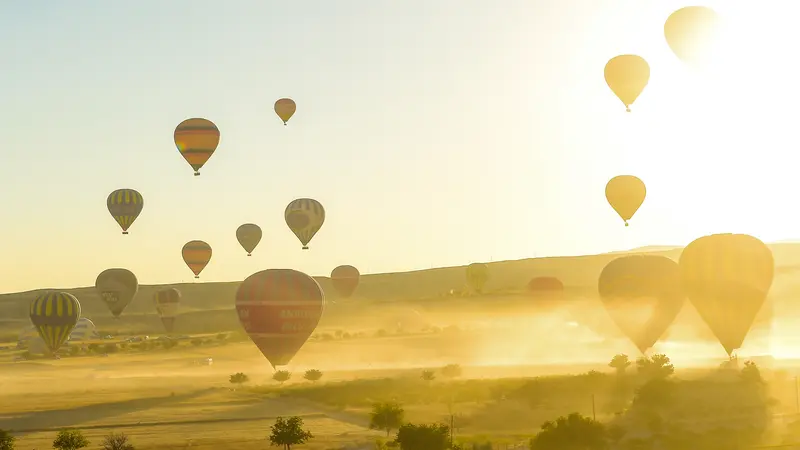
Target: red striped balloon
(279, 309)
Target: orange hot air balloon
(625, 193)
(279, 309)
(545, 286)
(285, 109)
(345, 280)
(197, 140)
(727, 278)
(627, 76)
(196, 255)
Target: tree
(751, 374)
(70, 440)
(6, 440)
(386, 416)
(573, 432)
(289, 432)
(657, 366)
(451, 371)
(423, 437)
(428, 375)
(116, 442)
(620, 363)
(312, 375)
(239, 378)
(282, 376)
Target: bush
(239, 378)
(6, 440)
(197, 342)
(116, 442)
(312, 375)
(70, 440)
(281, 376)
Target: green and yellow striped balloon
(54, 314)
(125, 205)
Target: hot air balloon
(546, 287)
(477, 276)
(125, 205)
(625, 193)
(196, 255)
(248, 235)
(116, 287)
(167, 301)
(689, 32)
(196, 139)
(84, 330)
(627, 76)
(304, 217)
(345, 280)
(727, 278)
(285, 109)
(54, 314)
(643, 295)
(279, 309)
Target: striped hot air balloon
(477, 276)
(345, 280)
(84, 331)
(54, 314)
(196, 255)
(196, 139)
(117, 288)
(279, 309)
(167, 302)
(125, 205)
(304, 217)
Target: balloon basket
(305, 248)
(197, 174)
(196, 277)
(124, 232)
(249, 254)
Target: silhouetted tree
(657, 366)
(6, 440)
(116, 442)
(451, 371)
(654, 394)
(289, 432)
(312, 375)
(428, 375)
(239, 378)
(70, 440)
(386, 416)
(423, 437)
(282, 376)
(620, 363)
(751, 373)
(573, 432)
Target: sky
(435, 133)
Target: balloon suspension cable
(124, 232)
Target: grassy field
(373, 347)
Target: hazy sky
(435, 132)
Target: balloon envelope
(285, 109)
(625, 193)
(643, 295)
(279, 309)
(54, 314)
(304, 217)
(125, 205)
(345, 280)
(196, 255)
(477, 276)
(248, 235)
(627, 76)
(727, 277)
(167, 302)
(197, 139)
(117, 288)
(689, 32)
(548, 286)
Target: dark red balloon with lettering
(345, 280)
(545, 286)
(279, 309)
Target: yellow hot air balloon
(285, 109)
(304, 217)
(690, 31)
(727, 278)
(196, 255)
(125, 205)
(54, 314)
(197, 140)
(625, 193)
(627, 76)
